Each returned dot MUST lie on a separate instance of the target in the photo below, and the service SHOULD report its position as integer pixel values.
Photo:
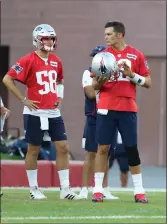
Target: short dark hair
(118, 26)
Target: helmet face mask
(41, 34)
(49, 46)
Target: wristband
(138, 79)
(60, 90)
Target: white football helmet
(104, 64)
(44, 31)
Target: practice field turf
(16, 207)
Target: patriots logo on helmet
(102, 68)
(38, 28)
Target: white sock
(32, 178)
(138, 184)
(98, 177)
(84, 191)
(64, 178)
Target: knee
(62, 147)
(103, 149)
(33, 150)
(133, 155)
(91, 156)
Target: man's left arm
(60, 92)
(3, 110)
(144, 70)
(60, 89)
(60, 84)
(142, 77)
(144, 81)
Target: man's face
(111, 37)
(48, 41)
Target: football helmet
(44, 31)
(104, 64)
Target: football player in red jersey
(117, 107)
(89, 143)
(42, 73)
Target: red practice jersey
(40, 77)
(120, 94)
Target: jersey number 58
(48, 86)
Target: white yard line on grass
(90, 189)
(82, 217)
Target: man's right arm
(3, 109)
(87, 85)
(98, 82)
(10, 84)
(19, 72)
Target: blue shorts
(34, 134)
(89, 134)
(120, 155)
(124, 122)
(91, 144)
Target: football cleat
(84, 193)
(141, 198)
(97, 197)
(67, 194)
(108, 196)
(35, 193)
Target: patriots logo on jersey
(17, 68)
(102, 68)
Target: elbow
(4, 80)
(147, 84)
(7, 80)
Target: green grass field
(6, 156)
(16, 207)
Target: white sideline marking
(83, 217)
(90, 189)
(11, 162)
